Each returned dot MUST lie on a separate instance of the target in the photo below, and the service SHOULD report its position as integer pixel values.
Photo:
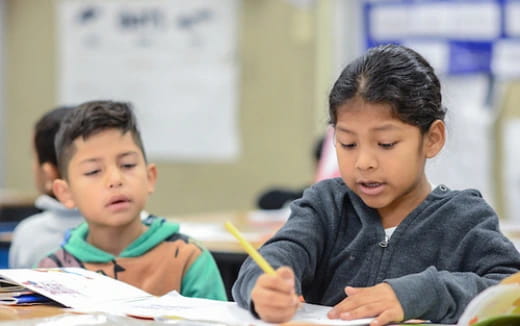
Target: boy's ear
(50, 173)
(151, 172)
(435, 138)
(62, 192)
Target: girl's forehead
(357, 109)
(360, 117)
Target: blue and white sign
(458, 37)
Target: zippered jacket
(446, 251)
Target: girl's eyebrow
(385, 127)
(343, 129)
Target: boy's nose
(115, 184)
(115, 179)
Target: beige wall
(509, 109)
(277, 112)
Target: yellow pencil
(264, 265)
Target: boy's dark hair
(395, 75)
(45, 131)
(90, 118)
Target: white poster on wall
(466, 160)
(175, 60)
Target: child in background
(35, 236)
(105, 175)
(381, 241)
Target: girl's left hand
(377, 301)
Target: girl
(381, 241)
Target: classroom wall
(2, 103)
(278, 115)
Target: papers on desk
(74, 287)
(7, 286)
(89, 292)
(12, 293)
(173, 306)
(316, 314)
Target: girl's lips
(371, 188)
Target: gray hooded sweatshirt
(446, 251)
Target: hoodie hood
(48, 203)
(158, 230)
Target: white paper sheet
(466, 159)
(175, 60)
(175, 306)
(74, 287)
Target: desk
(208, 228)
(26, 312)
(55, 315)
(50, 315)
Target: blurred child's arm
(274, 296)
(377, 301)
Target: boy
(106, 176)
(50, 225)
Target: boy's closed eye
(128, 160)
(92, 172)
(387, 145)
(128, 166)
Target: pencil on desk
(255, 255)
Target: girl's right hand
(274, 296)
